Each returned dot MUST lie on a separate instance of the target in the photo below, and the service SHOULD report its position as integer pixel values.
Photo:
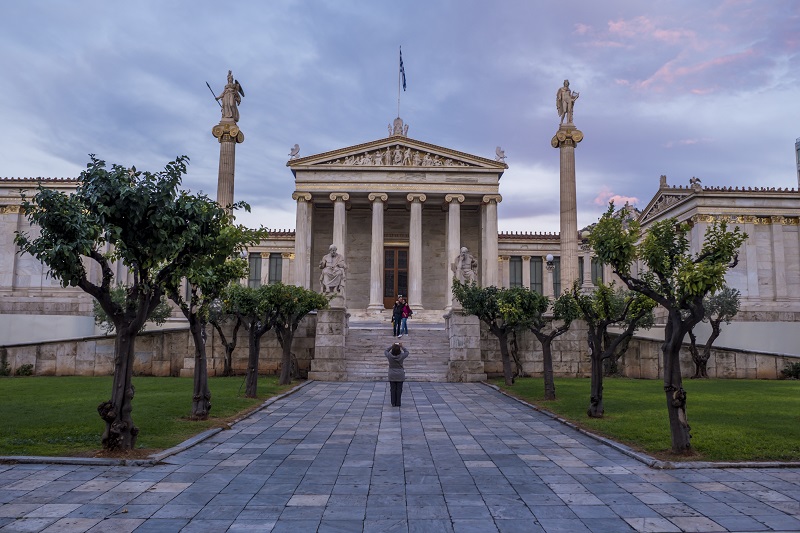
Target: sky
(677, 87)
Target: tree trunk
(201, 396)
(547, 366)
(286, 336)
(596, 408)
(120, 433)
(251, 381)
(673, 384)
(502, 336)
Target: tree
(289, 304)
(159, 315)
(253, 306)
(502, 310)
(219, 316)
(602, 308)
(677, 280)
(719, 307)
(141, 217)
(544, 328)
(216, 265)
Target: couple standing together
(401, 312)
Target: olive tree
(676, 279)
(118, 214)
(720, 307)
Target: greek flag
(402, 70)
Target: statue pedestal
(328, 363)
(337, 302)
(464, 332)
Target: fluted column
(286, 268)
(264, 268)
(587, 271)
(489, 261)
(547, 282)
(778, 257)
(339, 200)
(454, 202)
(229, 135)
(565, 140)
(415, 251)
(526, 271)
(302, 240)
(376, 258)
(504, 264)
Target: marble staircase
(427, 343)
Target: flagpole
(399, 74)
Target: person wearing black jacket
(396, 354)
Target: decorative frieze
(745, 219)
(397, 156)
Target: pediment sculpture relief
(398, 156)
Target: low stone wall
(158, 353)
(643, 360)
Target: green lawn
(731, 420)
(58, 415)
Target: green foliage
(792, 371)
(119, 295)
(512, 308)
(723, 305)
(24, 370)
(609, 305)
(5, 368)
(251, 305)
(289, 304)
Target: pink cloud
(672, 71)
(606, 195)
(582, 29)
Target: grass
(731, 420)
(57, 416)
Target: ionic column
(547, 282)
(489, 276)
(415, 251)
(376, 258)
(454, 202)
(526, 271)
(302, 240)
(229, 135)
(750, 259)
(778, 257)
(286, 268)
(587, 271)
(505, 270)
(340, 221)
(264, 268)
(565, 140)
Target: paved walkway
(454, 457)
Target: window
(536, 275)
(597, 271)
(254, 279)
(580, 269)
(275, 268)
(557, 276)
(515, 271)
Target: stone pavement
(455, 457)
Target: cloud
(606, 195)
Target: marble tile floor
(336, 457)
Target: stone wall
(158, 353)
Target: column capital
(489, 198)
(287, 255)
(449, 198)
(416, 197)
(301, 196)
(339, 196)
(505, 258)
(378, 196)
(227, 132)
(264, 255)
(526, 258)
(566, 137)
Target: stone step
(430, 316)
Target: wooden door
(395, 274)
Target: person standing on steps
(396, 354)
(406, 314)
(397, 316)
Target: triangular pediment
(396, 151)
(663, 200)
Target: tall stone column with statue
(229, 135)
(566, 139)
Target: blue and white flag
(402, 70)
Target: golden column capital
(225, 132)
(566, 137)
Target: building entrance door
(395, 274)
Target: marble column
(587, 271)
(286, 268)
(454, 202)
(339, 200)
(566, 139)
(489, 277)
(547, 282)
(376, 257)
(302, 240)
(229, 135)
(264, 268)
(415, 251)
(526, 271)
(750, 257)
(504, 265)
(778, 257)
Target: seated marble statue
(334, 268)
(465, 267)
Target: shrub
(792, 371)
(5, 368)
(24, 370)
